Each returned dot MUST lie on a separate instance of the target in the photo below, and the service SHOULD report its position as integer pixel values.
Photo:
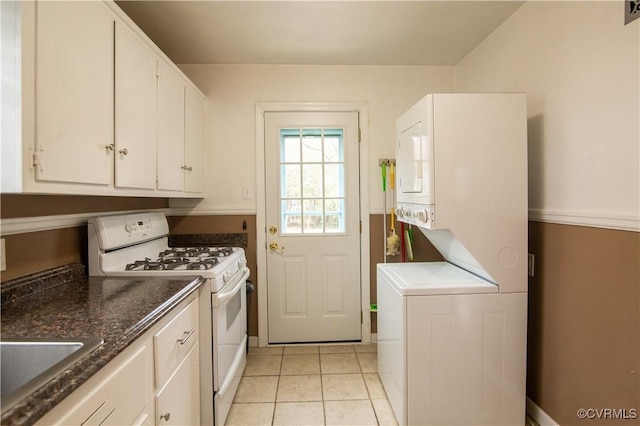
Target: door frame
(261, 227)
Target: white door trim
(363, 117)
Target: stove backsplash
(209, 240)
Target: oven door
(229, 329)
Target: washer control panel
(416, 214)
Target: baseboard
(253, 341)
(537, 414)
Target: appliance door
(414, 154)
(229, 330)
(392, 355)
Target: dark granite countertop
(118, 310)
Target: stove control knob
(227, 276)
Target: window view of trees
(312, 181)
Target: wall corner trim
(537, 414)
(583, 218)
(24, 225)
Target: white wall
(234, 90)
(579, 66)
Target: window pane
(312, 214)
(333, 150)
(312, 168)
(334, 180)
(291, 222)
(334, 215)
(290, 181)
(312, 146)
(312, 180)
(290, 149)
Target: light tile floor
(311, 385)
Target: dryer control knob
(423, 215)
(128, 227)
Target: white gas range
(137, 245)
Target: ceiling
(323, 32)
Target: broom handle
(384, 211)
(392, 184)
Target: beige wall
(234, 90)
(579, 66)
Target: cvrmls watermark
(607, 413)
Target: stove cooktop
(183, 258)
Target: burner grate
(190, 258)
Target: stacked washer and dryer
(452, 334)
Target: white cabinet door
(74, 92)
(171, 120)
(178, 403)
(194, 142)
(135, 112)
(116, 395)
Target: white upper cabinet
(102, 110)
(194, 147)
(171, 110)
(135, 112)
(74, 93)
(181, 110)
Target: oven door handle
(225, 296)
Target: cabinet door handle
(124, 151)
(166, 416)
(110, 147)
(185, 337)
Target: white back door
(313, 226)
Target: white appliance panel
(391, 350)
(229, 327)
(119, 231)
(451, 359)
(472, 163)
(466, 359)
(432, 278)
(229, 338)
(414, 156)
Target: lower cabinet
(178, 402)
(155, 381)
(114, 396)
(177, 369)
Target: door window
(312, 181)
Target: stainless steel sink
(27, 364)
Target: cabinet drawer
(172, 343)
(118, 398)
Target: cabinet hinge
(359, 135)
(361, 317)
(36, 159)
(361, 227)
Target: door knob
(275, 247)
(273, 230)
